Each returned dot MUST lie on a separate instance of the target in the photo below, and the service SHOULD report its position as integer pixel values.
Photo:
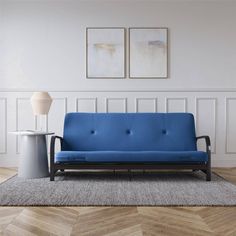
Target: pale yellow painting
(148, 53)
(105, 53)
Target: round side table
(34, 158)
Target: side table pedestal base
(34, 158)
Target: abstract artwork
(105, 52)
(148, 50)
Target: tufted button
(92, 131)
(164, 131)
(128, 131)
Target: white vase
(41, 102)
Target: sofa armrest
(208, 142)
(208, 150)
(52, 154)
(52, 145)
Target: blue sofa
(129, 141)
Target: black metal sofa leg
(52, 174)
(208, 170)
(208, 175)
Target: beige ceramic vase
(41, 102)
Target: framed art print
(148, 52)
(105, 52)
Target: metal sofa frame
(54, 167)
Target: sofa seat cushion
(129, 156)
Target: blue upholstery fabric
(129, 137)
(130, 156)
(129, 132)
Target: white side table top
(30, 133)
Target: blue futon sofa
(129, 141)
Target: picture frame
(105, 52)
(148, 53)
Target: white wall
(42, 47)
(44, 42)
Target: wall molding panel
(206, 118)
(58, 109)
(214, 112)
(115, 107)
(230, 125)
(23, 114)
(176, 107)
(138, 102)
(3, 125)
(86, 106)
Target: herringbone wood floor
(119, 221)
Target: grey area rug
(99, 189)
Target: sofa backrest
(129, 132)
